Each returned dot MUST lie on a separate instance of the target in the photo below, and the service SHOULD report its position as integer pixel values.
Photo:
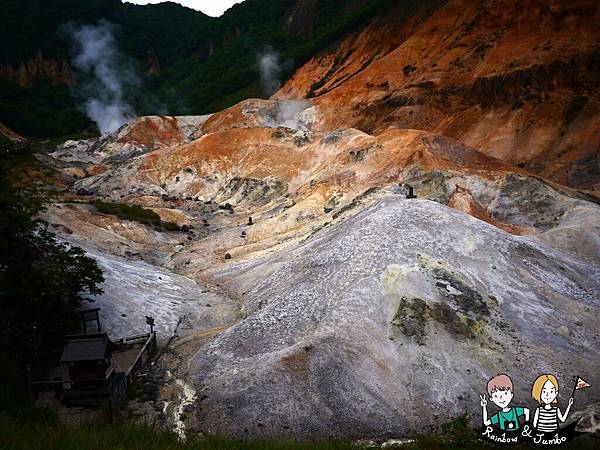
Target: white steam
(270, 70)
(294, 114)
(97, 56)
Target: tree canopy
(205, 63)
(41, 280)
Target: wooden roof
(88, 347)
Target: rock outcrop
(140, 136)
(24, 74)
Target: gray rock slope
(391, 322)
(135, 289)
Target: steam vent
(300, 224)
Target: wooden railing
(142, 357)
(131, 339)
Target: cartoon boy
(500, 390)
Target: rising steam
(270, 70)
(105, 73)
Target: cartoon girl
(547, 415)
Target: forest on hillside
(205, 64)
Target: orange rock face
(294, 179)
(516, 80)
(463, 102)
(57, 72)
(303, 175)
(353, 160)
(155, 130)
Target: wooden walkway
(128, 357)
(123, 360)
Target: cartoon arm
(486, 421)
(560, 416)
(536, 417)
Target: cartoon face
(502, 397)
(549, 392)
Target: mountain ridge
(190, 62)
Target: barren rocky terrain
(516, 80)
(339, 305)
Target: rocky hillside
(341, 298)
(404, 309)
(518, 81)
(340, 305)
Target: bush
(4, 140)
(170, 226)
(128, 212)
(135, 213)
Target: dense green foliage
(40, 110)
(31, 26)
(135, 213)
(4, 140)
(206, 63)
(40, 281)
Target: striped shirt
(548, 419)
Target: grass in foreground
(35, 429)
(25, 427)
(101, 435)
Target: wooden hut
(86, 360)
(89, 375)
(95, 370)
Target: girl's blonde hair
(538, 384)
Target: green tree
(41, 280)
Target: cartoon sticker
(511, 424)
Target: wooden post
(150, 321)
